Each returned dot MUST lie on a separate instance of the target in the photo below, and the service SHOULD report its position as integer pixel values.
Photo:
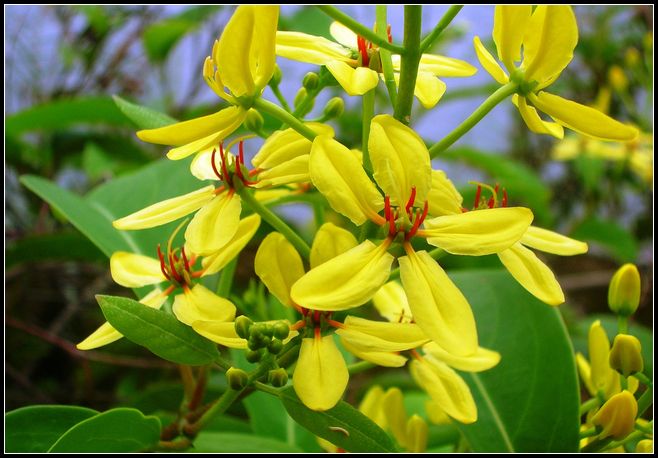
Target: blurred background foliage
(62, 124)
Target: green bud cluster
(237, 378)
(262, 338)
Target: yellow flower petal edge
(400, 160)
(292, 171)
(166, 211)
(552, 242)
(355, 81)
(393, 407)
(391, 303)
(380, 358)
(309, 48)
(392, 336)
(246, 230)
(278, 265)
(201, 304)
(443, 198)
(429, 89)
(329, 242)
(480, 232)
(321, 376)
(489, 63)
(437, 305)
(135, 270)
(481, 360)
(220, 332)
(534, 122)
(346, 281)
(532, 274)
(285, 145)
(214, 225)
(602, 375)
(509, 24)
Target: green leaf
(523, 185)
(212, 442)
(529, 401)
(61, 246)
(35, 429)
(356, 433)
(65, 113)
(609, 235)
(142, 117)
(115, 431)
(158, 331)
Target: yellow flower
(626, 355)
(356, 65)
(548, 36)
(596, 374)
(176, 268)
(243, 62)
(624, 290)
(402, 170)
(617, 416)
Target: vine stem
(410, 60)
(589, 405)
(445, 21)
(360, 29)
(360, 367)
(277, 223)
(385, 54)
(285, 117)
(494, 99)
(367, 113)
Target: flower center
(415, 217)
(481, 202)
(228, 169)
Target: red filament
(411, 200)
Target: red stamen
(163, 267)
(224, 167)
(410, 202)
(240, 161)
(389, 216)
(173, 270)
(185, 262)
(316, 316)
(255, 171)
(300, 324)
(197, 274)
(478, 194)
(318, 334)
(335, 324)
(214, 167)
(191, 262)
(304, 311)
(363, 50)
(504, 202)
(388, 33)
(420, 217)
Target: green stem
(588, 405)
(445, 21)
(289, 355)
(644, 379)
(622, 324)
(589, 433)
(409, 62)
(494, 99)
(285, 117)
(178, 444)
(260, 386)
(188, 382)
(646, 429)
(596, 445)
(632, 437)
(274, 221)
(282, 100)
(360, 29)
(367, 113)
(361, 366)
(385, 55)
(645, 401)
(226, 278)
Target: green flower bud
(624, 291)
(617, 416)
(311, 81)
(626, 355)
(275, 346)
(277, 377)
(334, 108)
(254, 121)
(255, 341)
(237, 378)
(281, 330)
(276, 76)
(242, 326)
(254, 356)
(301, 95)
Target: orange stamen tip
(317, 333)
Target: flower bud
(242, 326)
(626, 355)
(275, 346)
(334, 108)
(416, 434)
(301, 95)
(632, 57)
(254, 120)
(617, 78)
(254, 356)
(237, 378)
(617, 416)
(281, 330)
(277, 377)
(644, 446)
(624, 291)
(276, 76)
(311, 81)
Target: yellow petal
(292, 171)
(489, 63)
(400, 160)
(309, 48)
(391, 303)
(278, 265)
(201, 304)
(441, 66)
(381, 335)
(355, 81)
(135, 270)
(186, 132)
(480, 232)
(343, 35)
(509, 24)
(585, 373)
(429, 89)
(246, 230)
(321, 376)
(330, 241)
(166, 211)
(443, 198)
(339, 176)
(446, 388)
(106, 334)
(535, 276)
(481, 360)
(346, 281)
(550, 38)
(285, 145)
(416, 434)
(201, 166)
(214, 225)
(583, 119)
(393, 407)
(604, 378)
(534, 122)
(435, 413)
(552, 242)
(371, 407)
(380, 358)
(220, 332)
(437, 305)
(245, 52)
(617, 416)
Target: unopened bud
(624, 291)
(617, 416)
(277, 377)
(334, 108)
(281, 330)
(254, 120)
(632, 57)
(416, 434)
(311, 81)
(626, 355)
(301, 95)
(644, 446)
(275, 346)
(276, 76)
(254, 356)
(242, 326)
(256, 341)
(617, 78)
(237, 378)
